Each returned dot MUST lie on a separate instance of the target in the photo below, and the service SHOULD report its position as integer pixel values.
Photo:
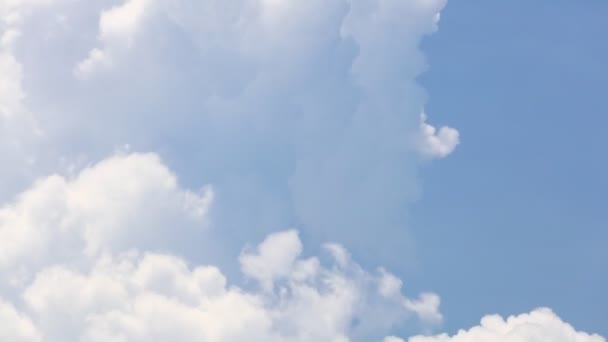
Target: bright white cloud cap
(125, 201)
(538, 325)
(436, 143)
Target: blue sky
(303, 170)
(516, 217)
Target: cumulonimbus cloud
(309, 107)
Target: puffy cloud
(427, 306)
(538, 325)
(117, 27)
(98, 256)
(301, 113)
(152, 296)
(125, 201)
(69, 305)
(130, 296)
(434, 143)
(274, 258)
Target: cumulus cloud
(117, 27)
(301, 113)
(125, 201)
(437, 143)
(538, 325)
(274, 258)
(427, 306)
(93, 273)
(151, 296)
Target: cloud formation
(91, 258)
(301, 113)
(96, 262)
(117, 27)
(274, 114)
(437, 143)
(100, 210)
(538, 325)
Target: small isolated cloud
(538, 325)
(436, 143)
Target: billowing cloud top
(308, 106)
(74, 252)
(539, 325)
(274, 114)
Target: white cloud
(121, 22)
(172, 301)
(297, 111)
(538, 325)
(303, 111)
(117, 28)
(393, 339)
(426, 307)
(339, 253)
(125, 201)
(274, 258)
(434, 143)
(300, 112)
(81, 261)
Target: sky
(290, 170)
(522, 201)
